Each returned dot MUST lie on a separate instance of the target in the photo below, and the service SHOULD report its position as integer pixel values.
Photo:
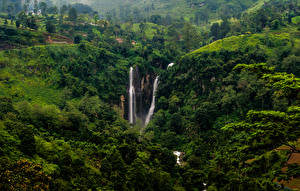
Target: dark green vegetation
(231, 102)
(53, 114)
(12, 38)
(218, 91)
(199, 11)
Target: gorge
(142, 114)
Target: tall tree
(96, 18)
(224, 28)
(43, 7)
(63, 9)
(72, 14)
(36, 6)
(4, 4)
(50, 27)
(215, 30)
(191, 37)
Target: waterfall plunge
(131, 97)
(170, 65)
(132, 102)
(151, 110)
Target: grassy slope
(83, 67)
(235, 43)
(30, 74)
(20, 81)
(23, 79)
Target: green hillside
(170, 95)
(207, 90)
(257, 5)
(51, 66)
(174, 7)
(131, 9)
(56, 129)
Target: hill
(202, 10)
(228, 104)
(206, 91)
(61, 127)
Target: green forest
(170, 95)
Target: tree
(275, 24)
(251, 156)
(5, 106)
(13, 177)
(268, 130)
(53, 10)
(26, 6)
(285, 85)
(27, 140)
(43, 7)
(18, 23)
(4, 4)
(77, 39)
(63, 9)
(10, 10)
(224, 28)
(215, 30)
(31, 22)
(22, 18)
(96, 18)
(142, 27)
(72, 14)
(201, 16)
(50, 27)
(139, 175)
(36, 6)
(191, 37)
(156, 19)
(193, 179)
(291, 64)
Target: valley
(150, 95)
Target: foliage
(23, 175)
(230, 106)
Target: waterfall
(131, 97)
(170, 65)
(135, 110)
(178, 157)
(151, 110)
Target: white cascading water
(178, 155)
(170, 65)
(151, 110)
(131, 97)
